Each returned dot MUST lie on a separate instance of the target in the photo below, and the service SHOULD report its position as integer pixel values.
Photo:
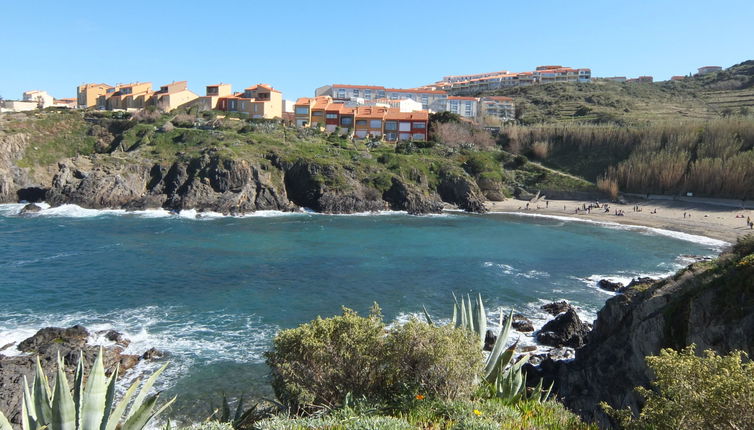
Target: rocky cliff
(710, 304)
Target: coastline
(716, 222)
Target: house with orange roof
(212, 95)
(258, 101)
(127, 97)
(88, 94)
(173, 96)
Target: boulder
(489, 340)
(30, 209)
(556, 308)
(608, 285)
(522, 324)
(565, 330)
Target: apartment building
(258, 101)
(129, 96)
(708, 69)
(499, 107)
(213, 94)
(41, 98)
(88, 94)
(475, 83)
(466, 107)
(386, 122)
(429, 99)
(173, 96)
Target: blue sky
(298, 46)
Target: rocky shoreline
(69, 343)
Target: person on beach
(547, 204)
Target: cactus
(90, 406)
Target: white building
(709, 69)
(42, 99)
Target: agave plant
(507, 380)
(91, 404)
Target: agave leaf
(78, 387)
(464, 323)
(470, 314)
(481, 320)
(501, 363)
(453, 320)
(41, 390)
(29, 399)
(4, 424)
(144, 391)
(94, 396)
(225, 416)
(110, 397)
(114, 419)
(548, 392)
(63, 407)
(141, 415)
(500, 342)
(427, 317)
(239, 410)
(516, 367)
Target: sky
(297, 46)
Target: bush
(692, 392)
(318, 363)
(439, 362)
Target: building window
(420, 125)
(346, 121)
(418, 136)
(361, 123)
(367, 94)
(391, 125)
(405, 126)
(355, 93)
(317, 113)
(375, 123)
(380, 94)
(341, 94)
(302, 110)
(331, 116)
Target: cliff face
(237, 186)
(710, 304)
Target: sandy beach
(717, 222)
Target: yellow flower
(477, 412)
(419, 397)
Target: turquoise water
(213, 291)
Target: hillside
(203, 161)
(725, 93)
(709, 304)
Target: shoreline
(706, 220)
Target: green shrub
(440, 362)
(318, 363)
(692, 392)
(209, 425)
(331, 422)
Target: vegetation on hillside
(694, 392)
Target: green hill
(725, 93)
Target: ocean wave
(507, 269)
(188, 340)
(704, 240)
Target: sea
(211, 291)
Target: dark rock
(565, 330)
(522, 324)
(30, 209)
(460, 189)
(402, 196)
(530, 348)
(556, 308)
(561, 354)
(639, 281)
(115, 336)
(55, 338)
(489, 340)
(608, 285)
(152, 354)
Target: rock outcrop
(565, 330)
(46, 344)
(710, 305)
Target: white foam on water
(704, 240)
(217, 337)
(507, 269)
